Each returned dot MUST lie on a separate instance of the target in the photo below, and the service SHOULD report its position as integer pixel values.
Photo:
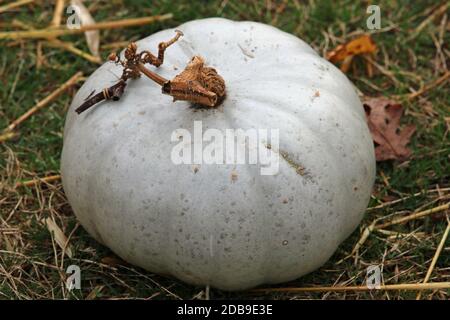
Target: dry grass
(405, 229)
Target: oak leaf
(383, 118)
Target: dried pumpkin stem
(197, 83)
(114, 92)
(148, 57)
(152, 75)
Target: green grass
(28, 263)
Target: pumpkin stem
(196, 83)
(154, 76)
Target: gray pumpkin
(224, 225)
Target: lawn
(412, 54)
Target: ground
(412, 54)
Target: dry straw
(388, 287)
(14, 5)
(44, 102)
(56, 32)
(36, 181)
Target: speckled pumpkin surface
(227, 226)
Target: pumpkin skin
(226, 226)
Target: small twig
(13, 5)
(114, 93)
(57, 14)
(440, 10)
(95, 292)
(33, 182)
(383, 176)
(16, 79)
(435, 258)
(115, 45)
(386, 204)
(20, 24)
(66, 244)
(414, 216)
(7, 136)
(56, 32)
(74, 79)
(382, 69)
(366, 233)
(373, 226)
(40, 60)
(405, 286)
(346, 64)
(430, 86)
(55, 43)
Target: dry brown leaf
(388, 198)
(92, 37)
(59, 235)
(113, 261)
(383, 117)
(361, 45)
